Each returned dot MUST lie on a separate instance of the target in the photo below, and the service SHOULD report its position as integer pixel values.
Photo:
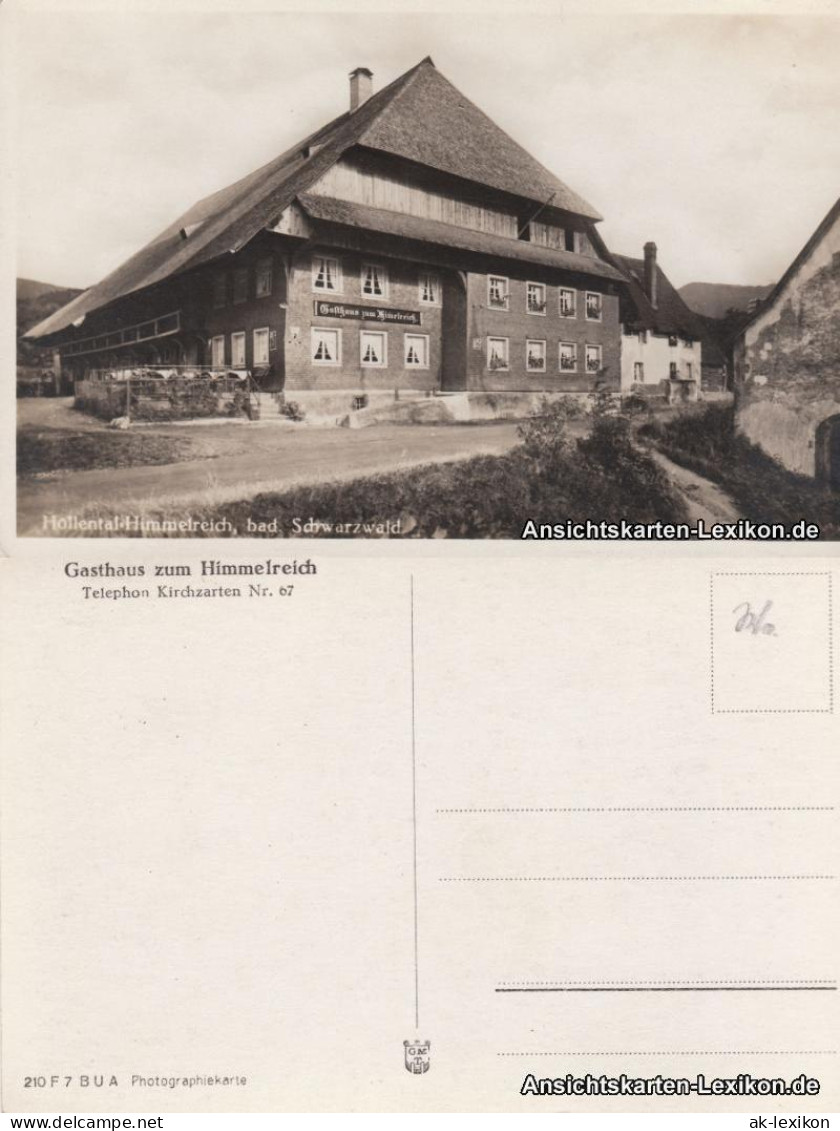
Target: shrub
(292, 410)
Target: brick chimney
(650, 272)
(361, 87)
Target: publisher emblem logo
(417, 1056)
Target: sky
(715, 136)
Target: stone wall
(788, 361)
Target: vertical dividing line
(414, 816)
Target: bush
(292, 410)
(544, 437)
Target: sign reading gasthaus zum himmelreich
(366, 313)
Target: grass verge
(41, 450)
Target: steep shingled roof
(343, 213)
(420, 116)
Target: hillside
(36, 301)
(714, 299)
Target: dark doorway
(453, 367)
(828, 452)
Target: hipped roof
(420, 116)
(345, 214)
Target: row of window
(264, 341)
(673, 371)
(673, 339)
(536, 299)
(328, 276)
(373, 352)
(536, 356)
(238, 289)
(373, 348)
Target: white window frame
(567, 291)
(338, 345)
(505, 304)
(593, 346)
(220, 290)
(426, 350)
(382, 272)
(596, 295)
(261, 330)
(434, 279)
(574, 348)
(536, 342)
(339, 276)
(239, 275)
(541, 287)
(560, 356)
(217, 344)
(264, 271)
(239, 338)
(639, 372)
(498, 368)
(383, 334)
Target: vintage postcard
(419, 639)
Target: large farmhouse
(410, 245)
(787, 362)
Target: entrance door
(453, 368)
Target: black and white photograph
(369, 275)
(419, 647)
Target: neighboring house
(662, 341)
(787, 362)
(409, 245)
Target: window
(373, 348)
(264, 278)
(593, 359)
(638, 371)
(536, 298)
(237, 351)
(326, 347)
(568, 303)
(689, 372)
(429, 288)
(217, 351)
(672, 340)
(643, 336)
(219, 289)
(416, 347)
(326, 274)
(374, 281)
(568, 357)
(261, 346)
(673, 372)
(535, 356)
(240, 285)
(593, 306)
(497, 292)
(498, 353)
